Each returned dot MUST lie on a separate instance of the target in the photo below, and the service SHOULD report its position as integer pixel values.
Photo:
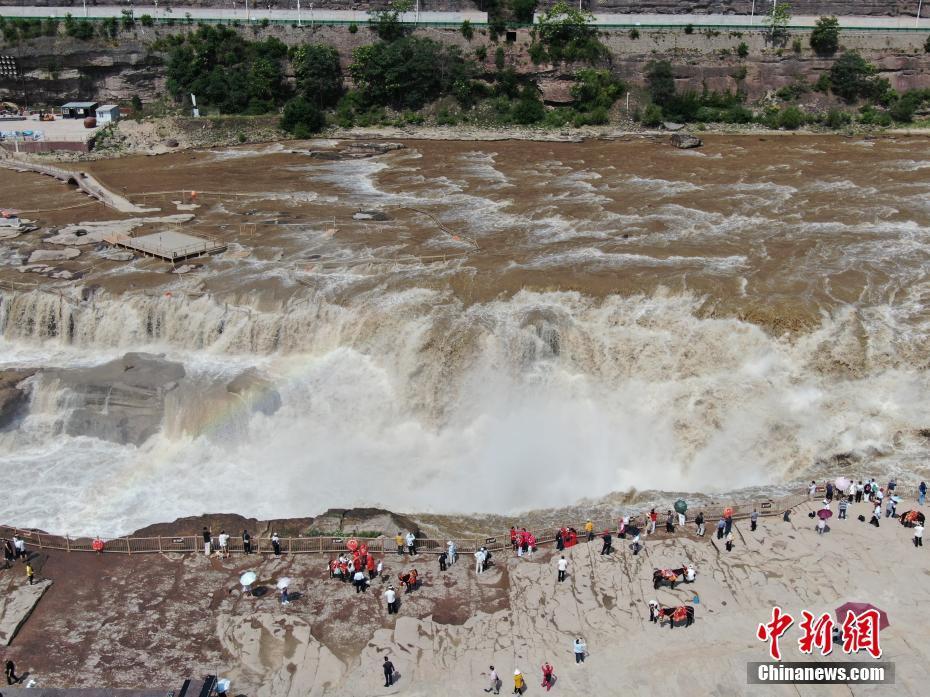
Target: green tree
(386, 21)
(408, 72)
(499, 58)
(523, 10)
(778, 21)
(318, 74)
(661, 82)
(569, 34)
(147, 20)
(825, 38)
(302, 118)
(742, 50)
(467, 30)
(528, 109)
(851, 77)
(596, 89)
(227, 72)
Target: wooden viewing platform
(170, 245)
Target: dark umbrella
(824, 513)
(858, 609)
(631, 530)
(681, 506)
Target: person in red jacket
(370, 567)
(547, 680)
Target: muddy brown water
(593, 317)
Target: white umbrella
(842, 483)
(248, 578)
(283, 583)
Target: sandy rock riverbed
(150, 619)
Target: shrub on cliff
(825, 38)
(853, 77)
(302, 118)
(904, 107)
(790, 118)
(652, 116)
(79, 29)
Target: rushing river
(532, 324)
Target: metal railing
(336, 543)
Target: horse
(676, 614)
(910, 518)
(670, 576)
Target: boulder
(13, 398)
(17, 601)
(370, 215)
(121, 401)
(672, 126)
(41, 255)
(348, 521)
(259, 394)
(172, 143)
(685, 141)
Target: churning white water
(413, 401)
(625, 325)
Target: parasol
(842, 483)
(727, 512)
(632, 530)
(824, 513)
(858, 609)
(283, 583)
(248, 578)
(896, 499)
(681, 506)
(352, 545)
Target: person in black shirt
(388, 672)
(246, 542)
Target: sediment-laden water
(533, 323)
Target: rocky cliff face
(59, 69)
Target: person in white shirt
(450, 545)
(812, 489)
(821, 526)
(494, 682)
(412, 544)
(224, 544)
(690, 574)
(479, 562)
(876, 515)
(563, 567)
(390, 595)
(919, 535)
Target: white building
(107, 113)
